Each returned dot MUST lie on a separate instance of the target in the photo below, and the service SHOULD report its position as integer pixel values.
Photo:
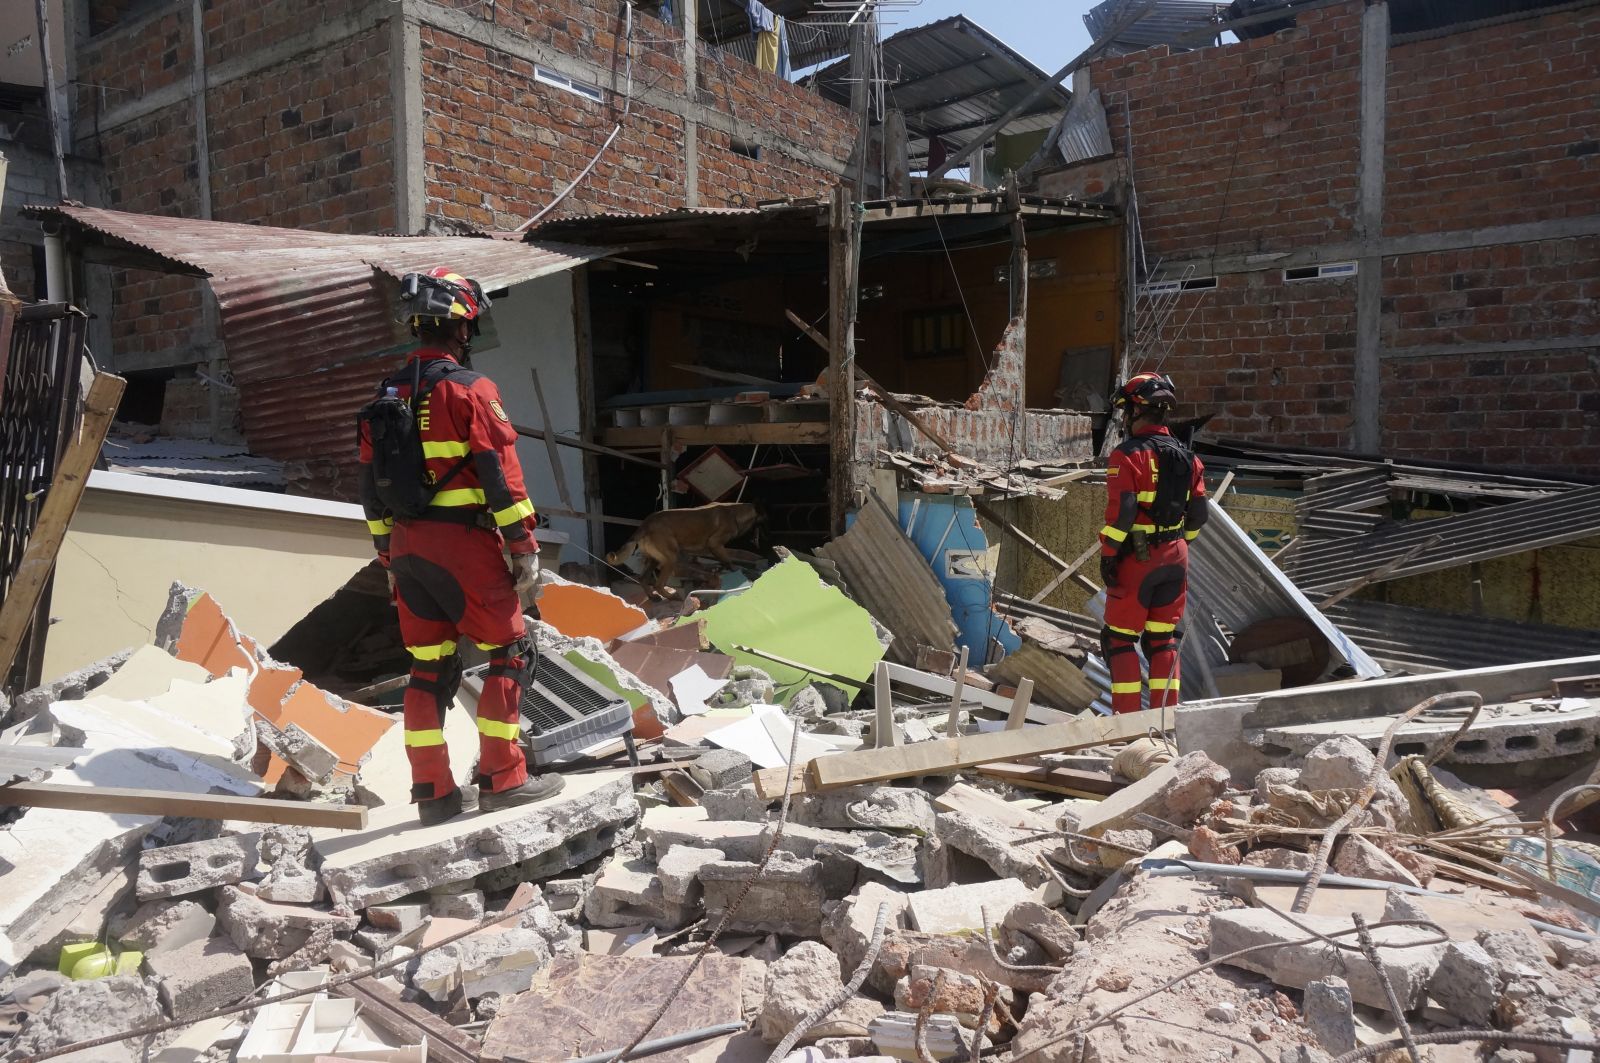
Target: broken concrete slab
(719, 768)
(400, 918)
(959, 909)
(847, 928)
(627, 893)
(271, 931)
(904, 949)
(200, 976)
(1178, 792)
(468, 904)
(961, 995)
(176, 870)
(798, 985)
(889, 808)
(1408, 965)
(679, 871)
(395, 856)
(1467, 983)
(1359, 858)
(162, 925)
(786, 900)
(86, 1010)
(491, 961)
(1009, 852)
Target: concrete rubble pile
(992, 876)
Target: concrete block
(1467, 983)
(1044, 925)
(958, 909)
(736, 803)
(301, 749)
(467, 905)
(718, 769)
(679, 871)
(798, 985)
(961, 995)
(1329, 1015)
(399, 918)
(894, 808)
(271, 931)
(787, 900)
(628, 893)
(1410, 968)
(290, 883)
(847, 927)
(1177, 792)
(395, 856)
(175, 870)
(491, 961)
(163, 925)
(201, 975)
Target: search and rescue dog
(665, 536)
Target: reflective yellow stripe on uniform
(432, 653)
(460, 496)
(1146, 496)
(1156, 625)
(415, 739)
(1114, 533)
(512, 514)
(1162, 684)
(1122, 631)
(496, 729)
(380, 527)
(447, 449)
(1151, 529)
(1191, 536)
(1127, 688)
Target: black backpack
(398, 467)
(1174, 476)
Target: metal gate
(42, 347)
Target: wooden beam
(591, 448)
(952, 724)
(842, 248)
(884, 732)
(988, 513)
(790, 433)
(1072, 781)
(1067, 573)
(60, 503)
(1019, 705)
(556, 470)
(952, 754)
(116, 799)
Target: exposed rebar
(847, 991)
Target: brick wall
(500, 144)
(1255, 148)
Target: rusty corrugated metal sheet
(891, 579)
(308, 317)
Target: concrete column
(1366, 404)
(691, 93)
(405, 89)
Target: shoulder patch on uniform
(499, 411)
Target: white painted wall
(533, 329)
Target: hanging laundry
(762, 20)
(765, 25)
(784, 69)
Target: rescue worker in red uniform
(466, 567)
(1155, 506)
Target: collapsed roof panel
(952, 77)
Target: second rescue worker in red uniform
(1155, 506)
(446, 566)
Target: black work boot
(536, 788)
(435, 810)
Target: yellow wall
(122, 552)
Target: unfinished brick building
(1389, 237)
(420, 115)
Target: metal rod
(660, 1044)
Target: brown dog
(665, 536)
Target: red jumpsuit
(1146, 600)
(450, 577)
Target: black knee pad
(1112, 644)
(518, 662)
(1163, 641)
(449, 680)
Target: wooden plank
(409, 1023)
(1019, 706)
(592, 448)
(1070, 781)
(791, 433)
(951, 754)
(196, 806)
(884, 732)
(842, 250)
(769, 781)
(60, 503)
(953, 722)
(989, 513)
(556, 470)
(1068, 573)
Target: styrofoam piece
(692, 687)
(764, 737)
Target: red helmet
(1146, 389)
(441, 294)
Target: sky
(1049, 32)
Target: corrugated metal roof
(1168, 22)
(192, 460)
(891, 579)
(1084, 132)
(32, 763)
(1325, 566)
(952, 77)
(1403, 638)
(1232, 580)
(277, 287)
